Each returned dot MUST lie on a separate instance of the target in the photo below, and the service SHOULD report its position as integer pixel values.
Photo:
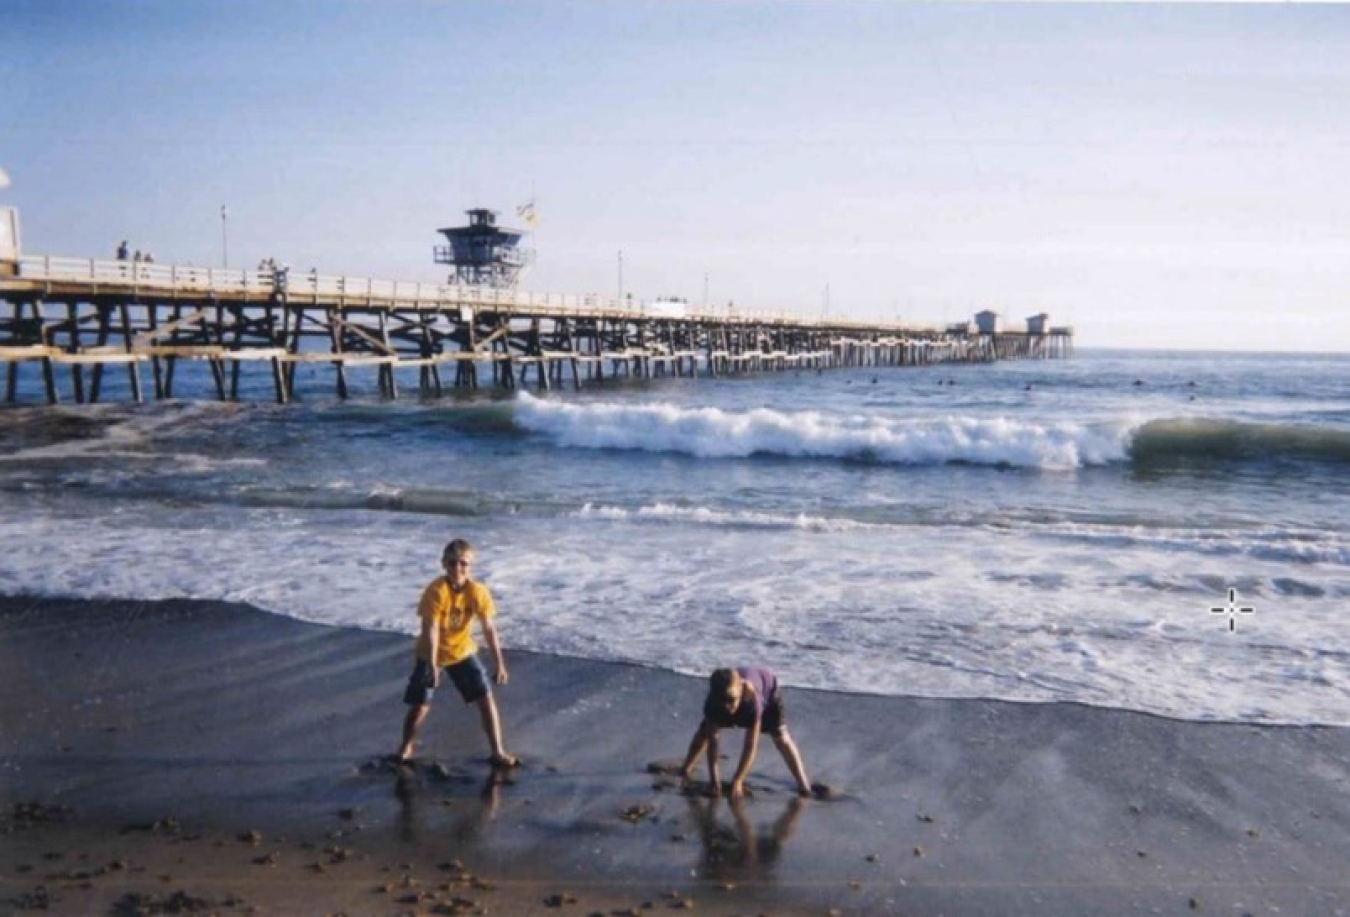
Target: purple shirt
(765, 685)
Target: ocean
(1153, 531)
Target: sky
(1156, 176)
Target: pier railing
(177, 279)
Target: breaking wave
(1000, 442)
(716, 433)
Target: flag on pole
(526, 213)
(4, 179)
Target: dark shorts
(774, 719)
(773, 722)
(468, 676)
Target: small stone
(39, 899)
(636, 813)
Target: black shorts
(468, 676)
(772, 722)
(774, 719)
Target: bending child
(746, 698)
(449, 606)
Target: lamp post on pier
(620, 278)
(224, 237)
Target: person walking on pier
(449, 606)
(749, 698)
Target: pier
(65, 323)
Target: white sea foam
(1279, 545)
(1272, 544)
(703, 515)
(885, 612)
(716, 433)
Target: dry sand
(177, 757)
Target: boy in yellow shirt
(449, 606)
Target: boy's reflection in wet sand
(466, 823)
(738, 851)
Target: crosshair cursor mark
(1232, 609)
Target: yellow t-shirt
(453, 612)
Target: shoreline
(134, 727)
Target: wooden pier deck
(89, 316)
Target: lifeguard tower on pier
(484, 254)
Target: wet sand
(176, 757)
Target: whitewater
(1035, 531)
